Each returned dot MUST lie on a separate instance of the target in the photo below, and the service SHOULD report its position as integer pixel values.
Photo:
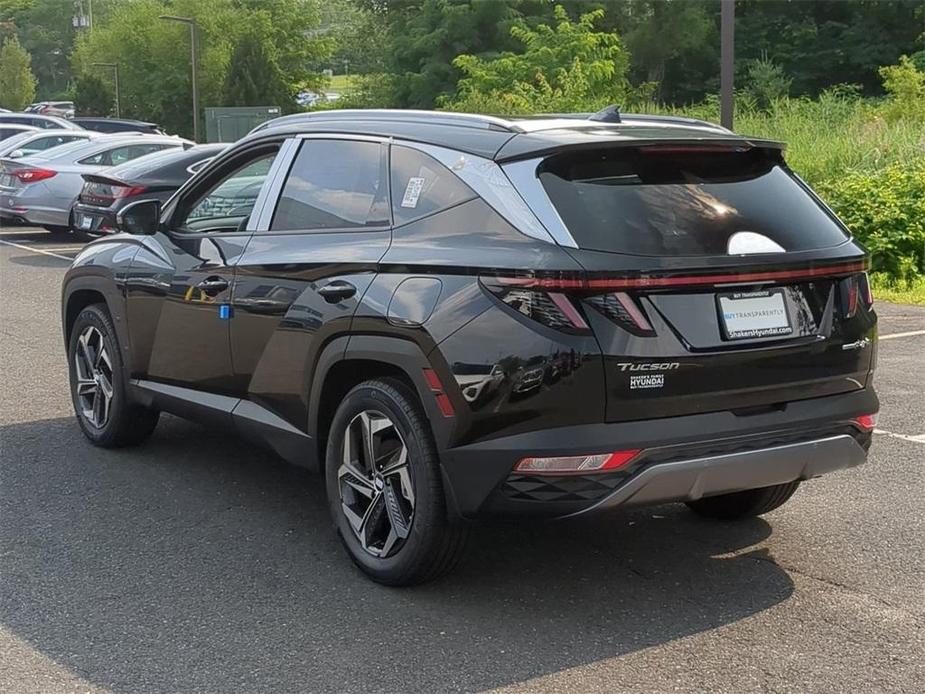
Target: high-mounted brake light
(33, 175)
(867, 422)
(576, 464)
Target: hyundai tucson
(455, 316)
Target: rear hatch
(716, 279)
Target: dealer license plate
(750, 315)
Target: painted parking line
(911, 333)
(36, 250)
(905, 437)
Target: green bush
(886, 211)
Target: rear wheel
(751, 502)
(384, 487)
(104, 412)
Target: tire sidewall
(428, 510)
(97, 317)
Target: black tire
(434, 542)
(127, 423)
(747, 504)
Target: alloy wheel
(93, 369)
(375, 482)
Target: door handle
(337, 291)
(213, 285)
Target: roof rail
(680, 120)
(465, 120)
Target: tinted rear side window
(682, 200)
(334, 184)
(421, 185)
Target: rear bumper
(683, 458)
(689, 480)
(29, 206)
(92, 219)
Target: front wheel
(105, 414)
(751, 502)
(384, 487)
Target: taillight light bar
(576, 464)
(630, 283)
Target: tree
(253, 79)
(17, 83)
(566, 67)
(154, 57)
(93, 97)
(424, 36)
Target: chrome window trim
(490, 183)
(522, 175)
(273, 185)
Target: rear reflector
(443, 402)
(867, 422)
(33, 175)
(563, 465)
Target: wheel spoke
(102, 358)
(399, 523)
(349, 475)
(83, 349)
(85, 386)
(97, 409)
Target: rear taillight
(576, 464)
(105, 193)
(33, 175)
(553, 309)
(622, 309)
(855, 290)
(867, 295)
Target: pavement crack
(916, 618)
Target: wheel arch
(80, 292)
(348, 361)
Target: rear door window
(682, 201)
(334, 185)
(421, 186)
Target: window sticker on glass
(412, 192)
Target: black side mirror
(140, 218)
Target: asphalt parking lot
(199, 563)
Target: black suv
(453, 316)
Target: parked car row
(50, 119)
(42, 174)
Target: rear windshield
(682, 200)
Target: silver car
(32, 141)
(41, 189)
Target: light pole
(726, 62)
(194, 52)
(115, 72)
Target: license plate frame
(85, 223)
(753, 315)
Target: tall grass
(826, 137)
